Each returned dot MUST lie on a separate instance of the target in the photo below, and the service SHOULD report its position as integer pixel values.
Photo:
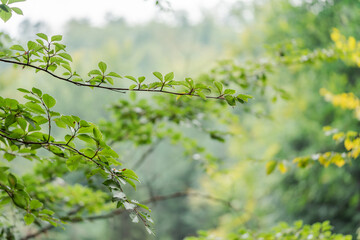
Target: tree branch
(121, 211)
(146, 154)
(115, 89)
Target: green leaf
(131, 78)
(73, 162)
(47, 212)
(130, 174)
(202, 95)
(17, 10)
(97, 133)
(270, 166)
(219, 86)
(33, 107)
(86, 138)
(109, 152)
(113, 74)
(159, 76)
(56, 38)
(102, 66)
(35, 204)
(37, 91)
(29, 218)
(21, 198)
(12, 180)
(31, 45)
(9, 156)
(141, 79)
(22, 123)
(49, 100)
(14, 1)
(94, 72)
(169, 77)
(130, 182)
(43, 36)
(5, 12)
(67, 67)
(143, 206)
(229, 91)
(230, 100)
(243, 98)
(17, 48)
(23, 90)
(66, 56)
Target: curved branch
(121, 211)
(115, 89)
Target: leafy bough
(21, 135)
(48, 55)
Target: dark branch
(115, 89)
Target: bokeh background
(190, 38)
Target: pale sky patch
(56, 13)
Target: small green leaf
(131, 78)
(159, 76)
(49, 100)
(270, 166)
(35, 204)
(29, 218)
(17, 48)
(169, 77)
(43, 36)
(243, 98)
(141, 79)
(31, 45)
(23, 90)
(230, 100)
(229, 91)
(34, 108)
(56, 38)
(219, 87)
(97, 133)
(66, 56)
(12, 180)
(113, 74)
(86, 138)
(102, 66)
(14, 1)
(73, 162)
(37, 91)
(5, 12)
(9, 156)
(17, 10)
(202, 95)
(47, 212)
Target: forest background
(284, 121)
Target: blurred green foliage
(167, 139)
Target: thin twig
(116, 89)
(121, 211)
(145, 155)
